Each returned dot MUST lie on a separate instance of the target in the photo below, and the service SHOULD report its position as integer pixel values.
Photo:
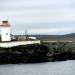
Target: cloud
(52, 31)
(39, 14)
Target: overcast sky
(39, 16)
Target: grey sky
(39, 16)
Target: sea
(48, 68)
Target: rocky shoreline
(36, 53)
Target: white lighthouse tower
(5, 31)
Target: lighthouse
(5, 31)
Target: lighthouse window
(6, 33)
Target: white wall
(16, 43)
(5, 34)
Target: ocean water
(49, 68)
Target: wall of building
(5, 34)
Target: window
(6, 33)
